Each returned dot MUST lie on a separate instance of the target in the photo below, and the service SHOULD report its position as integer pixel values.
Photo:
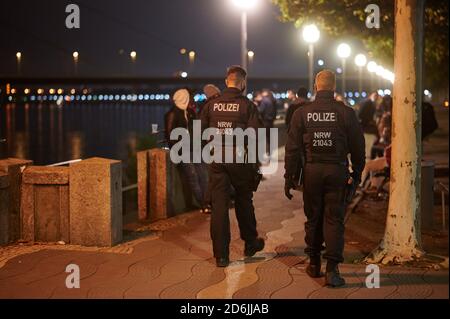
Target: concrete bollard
(13, 167)
(4, 194)
(160, 188)
(96, 202)
(143, 180)
(45, 204)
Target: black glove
(350, 190)
(289, 184)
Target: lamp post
(19, 60)
(343, 51)
(75, 56)
(244, 5)
(372, 68)
(133, 56)
(311, 35)
(360, 61)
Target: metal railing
(129, 188)
(444, 191)
(65, 163)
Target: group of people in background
(374, 114)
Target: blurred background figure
(300, 100)
(182, 115)
(211, 92)
(268, 110)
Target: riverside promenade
(172, 259)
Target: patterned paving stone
(170, 274)
(204, 274)
(273, 275)
(410, 284)
(438, 280)
(300, 287)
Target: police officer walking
(225, 113)
(321, 135)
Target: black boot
(253, 247)
(313, 269)
(333, 277)
(222, 262)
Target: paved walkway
(177, 263)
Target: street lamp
(251, 56)
(360, 61)
(311, 35)
(75, 61)
(244, 6)
(343, 51)
(133, 56)
(372, 68)
(19, 59)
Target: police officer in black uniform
(322, 134)
(225, 113)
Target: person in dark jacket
(321, 135)
(182, 116)
(301, 100)
(225, 114)
(268, 111)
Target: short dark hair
(237, 70)
(302, 92)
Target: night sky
(157, 30)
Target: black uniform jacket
(229, 111)
(325, 131)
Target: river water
(47, 133)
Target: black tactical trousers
(221, 177)
(324, 203)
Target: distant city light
(184, 75)
(72, 91)
(192, 54)
(133, 54)
(40, 91)
(51, 91)
(387, 92)
(19, 55)
(27, 91)
(339, 70)
(251, 54)
(321, 62)
(75, 55)
(183, 51)
(60, 91)
(426, 92)
(364, 94)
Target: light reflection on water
(49, 134)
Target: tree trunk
(402, 240)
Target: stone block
(166, 193)
(96, 202)
(143, 175)
(14, 167)
(45, 204)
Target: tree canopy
(347, 18)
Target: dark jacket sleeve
(294, 150)
(356, 144)
(170, 124)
